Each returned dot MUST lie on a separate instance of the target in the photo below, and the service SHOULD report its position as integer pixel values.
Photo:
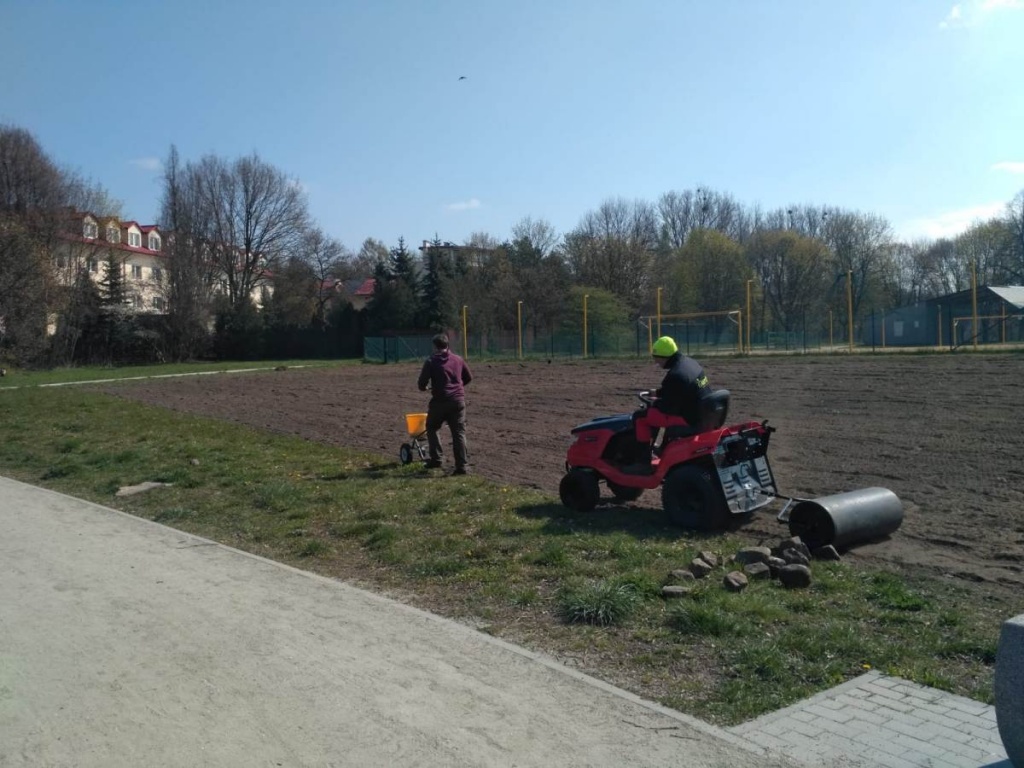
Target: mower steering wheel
(646, 397)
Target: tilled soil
(940, 431)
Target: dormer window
(135, 239)
(154, 242)
(113, 235)
(90, 230)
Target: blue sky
(911, 109)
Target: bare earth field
(940, 431)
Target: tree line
(250, 274)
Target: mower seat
(714, 408)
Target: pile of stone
(789, 562)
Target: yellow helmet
(664, 347)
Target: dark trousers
(452, 413)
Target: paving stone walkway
(876, 720)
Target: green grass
(16, 378)
(513, 562)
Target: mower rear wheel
(693, 500)
(624, 492)
(579, 490)
(405, 453)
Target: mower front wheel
(579, 490)
(693, 500)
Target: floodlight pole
(849, 306)
(659, 311)
(519, 327)
(465, 343)
(585, 297)
(749, 349)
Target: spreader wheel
(405, 453)
(693, 500)
(624, 492)
(579, 490)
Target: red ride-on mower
(707, 472)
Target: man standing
(447, 374)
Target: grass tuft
(602, 603)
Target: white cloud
(1009, 167)
(147, 163)
(975, 12)
(950, 223)
(953, 19)
(464, 205)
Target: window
(158, 304)
(135, 239)
(136, 272)
(92, 265)
(90, 230)
(137, 302)
(158, 274)
(113, 235)
(154, 242)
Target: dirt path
(938, 430)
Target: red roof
(368, 288)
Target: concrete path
(875, 720)
(127, 643)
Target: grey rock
(699, 568)
(758, 570)
(735, 581)
(795, 557)
(749, 555)
(681, 576)
(795, 576)
(794, 542)
(131, 490)
(828, 552)
(709, 557)
(674, 591)
(775, 563)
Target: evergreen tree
(396, 301)
(114, 323)
(438, 287)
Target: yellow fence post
(974, 304)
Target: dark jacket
(447, 374)
(682, 389)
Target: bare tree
(859, 244)
(34, 197)
(793, 270)
(613, 248)
(1015, 223)
(325, 256)
(191, 271)
(539, 234)
(253, 217)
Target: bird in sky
(463, 77)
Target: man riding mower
(708, 472)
